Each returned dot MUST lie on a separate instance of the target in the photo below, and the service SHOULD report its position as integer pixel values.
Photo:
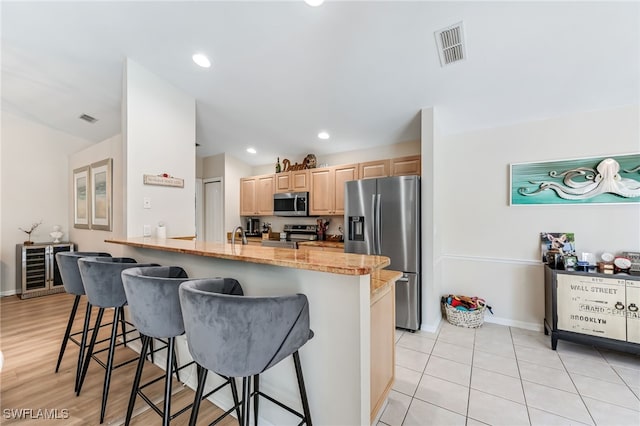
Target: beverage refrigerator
(382, 217)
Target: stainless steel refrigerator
(382, 217)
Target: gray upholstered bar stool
(243, 337)
(102, 281)
(154, 306)
(72, 282)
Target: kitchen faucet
(233, 236)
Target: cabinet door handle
(633, 308)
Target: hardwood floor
(31, 332)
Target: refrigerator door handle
(378, 222)
(374, 246)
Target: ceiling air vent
(450, 43)
(88, 118)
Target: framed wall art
(81, 198)
(101, 209)
(597, 180)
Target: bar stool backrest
(242, 336)
(152, 295)
(103, 281)
(68, 266)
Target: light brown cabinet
(374, 169)
(383, 321)
(296, 181)
(327, 189)
(256, 195)
(405, 166)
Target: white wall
(159, 137)
(92, 239)
(35, 186)
(234, 169)
(491, 249)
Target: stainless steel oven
(291, 204)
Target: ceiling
(283, 71)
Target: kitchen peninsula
(349, 364)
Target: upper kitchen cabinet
(374, 169)
(296, 181)
(327, 189)
(404, 166)
(256, 195)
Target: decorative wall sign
(610, 180)
(163, 180)
(81, 198)
(309, 162)
(101, 195)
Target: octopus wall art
(614, 179)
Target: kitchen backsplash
(278, 222)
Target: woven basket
(469, 319)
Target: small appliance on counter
(292, 234)
(253, 228)
(301, 232)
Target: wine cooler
(37, 272)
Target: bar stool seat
(154, 305)
(102, 281)
(72, 282)
(243, 337)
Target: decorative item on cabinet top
(309, 162)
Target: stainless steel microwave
(291, 204)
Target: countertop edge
(269, 254)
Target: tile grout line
(578, 390)
(524, 394)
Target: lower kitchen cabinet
(592, 308)
(383, 329)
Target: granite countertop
(383, 277)
(314, 260)
(332, 244)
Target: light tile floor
(499, 375)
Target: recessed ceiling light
(323, 135)
(201, 60)
(251, 150)
(314, 3)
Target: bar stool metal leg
(123, 323)
(109, 369)
(136, 380)
(67, 332)
(246, 400)
(301, 386)
(167, 382)
(256, 397)
(92, 344)
(83, 344)
(202, 378)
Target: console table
(593, 308)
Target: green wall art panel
(597, 180)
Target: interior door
(213, 211)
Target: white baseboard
(431, 328)
(533, 326)
(8, 293)
(434, 328)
